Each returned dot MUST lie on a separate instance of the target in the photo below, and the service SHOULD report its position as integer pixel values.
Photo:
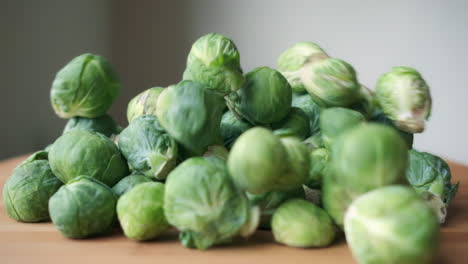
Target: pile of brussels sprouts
(304, 150)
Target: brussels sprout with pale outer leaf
(231, 128)
(269, 202)
(104, 124)
(127, 183)
(144, 103)
(201, 201)
(427, 172)
(331, 82)
(264, 99)
(82, 208)
(405, 98)
(335, 121)
(141, 211)
(257, 161)
(298, 164)
(292, 61)
(87, 153)
(87, 86)
(191, 114)
(299, 223)
(295, 124)
(392, 225)
(148, 148)
(215, 62)
(319, 159)
(310, 108)
(364, 158)
(26, 193)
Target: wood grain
(41, 243)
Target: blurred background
(148, 41)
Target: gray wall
(148, 40)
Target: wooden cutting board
(41, 243)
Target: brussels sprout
(258, 161)
(297, 159)
(144, 103)
(319, 159)
(87, 86)
(127, 183)
(391, 225)
(367, 104)
(26, 193)
(141, 212)
(427, 172)
(405, 98)
(191, 115)
(296, 124)
(264, 99)
(298, 223)
(84, 207)
(104, 124)
(201, 201)
(380, 118)
(364, 158)
(292, 61)
(331, 82)
(87, 153)
(231, 128)
(215, 62)
(310, 108)
(269, 202)
(335, 121)
(148, 148)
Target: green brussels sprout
(319, 159)
(201, 201)
(191, 115)
(405, 98)
(429, 173)
(299, 223)
(292, 61)
(231, 128)
(380, 118)
(391, 225)
(296, 124)
(297, 159)
(215, 61)
(331, 82)
(335, 121)
(127, 183)
(315, 141)
(264, 99)
(148, 148)
(270, 201)
(87, 153)
(257, 161)
(104, 124)
(310, 108)
(367, 104)
(82, 208)
(144, 103)
(87, 86)
(26, 193)
(364, 158)
(141, 211)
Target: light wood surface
(41, 243)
